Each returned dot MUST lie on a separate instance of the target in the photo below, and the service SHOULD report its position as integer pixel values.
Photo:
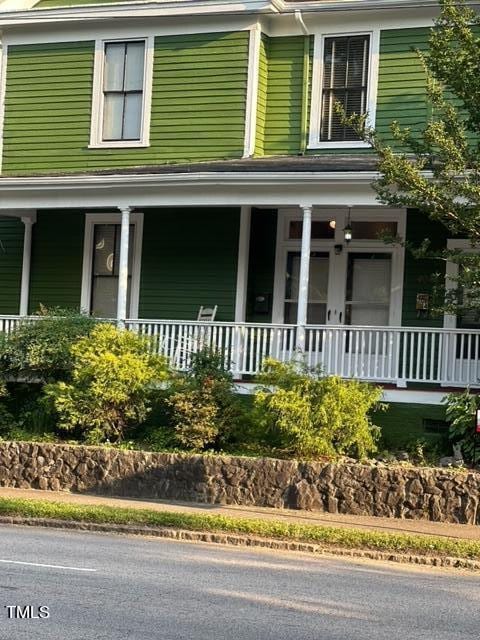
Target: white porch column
(28, 222)
(123, 267)
(242, 268)
(304, 276)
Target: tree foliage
(113, 379)
(437, 169)
(308, 415)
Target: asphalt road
(118, 588)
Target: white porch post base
(303, 279)
(28, 222)
(123, 267)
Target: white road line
(48, 566)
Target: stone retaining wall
(434, 494)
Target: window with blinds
(345, 80)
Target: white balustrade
(391, 355)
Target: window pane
(113, 116)
(357, 62)
(363, 230)
(114, 66)
(134, 66)
(132, 123)
(104, 243)
(321, 230)
(117, 249)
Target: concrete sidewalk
(386, 525)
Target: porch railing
(395, 355)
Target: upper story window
(345, 80)
(122, 93)
(345, 71)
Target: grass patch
(330, 536)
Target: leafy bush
(203, 403)
(112, 382)
(7, 421)
(40, 349)
(309, 416)
(460, 412)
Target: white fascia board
(133, 10)
(212, 189)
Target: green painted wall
(57, 255)
(11, 253)
(284, 95)
(401, 89)
(198, 105)
(261, 266)
(189, 259)
(418, 272)
(402, 424)
(401, 80)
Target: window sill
(119, 145)
(359, 144)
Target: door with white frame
(101, 257)
(355, 287)
(461, 349)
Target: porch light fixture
(332, 224)
(347, 232)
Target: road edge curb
(241, 540)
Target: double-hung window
(345, 73)
(122, 93)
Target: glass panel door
(369, 277)
(106, 258)
(317, 288)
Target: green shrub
(204, 409)
(7, 421)
(40, 350)
(460, 412)
(309, 416)
(113, 379)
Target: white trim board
(252, 91)
(111, 218)
(401, 396)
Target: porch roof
(276, 164)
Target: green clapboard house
(162, 156)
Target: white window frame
(96, 130)
(91, 219)
(314, 141)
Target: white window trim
(314, 141)
(96, 141)
(92, 219)
(284, 245)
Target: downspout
(306, 74)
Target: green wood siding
(57, 255)
(418, 272)
(401, 89)
(11, 253)
(261, 264)
(284, 96)
(198, 105)
(401, 81)
(189, 259)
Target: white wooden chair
(196, 339)
(207, 314)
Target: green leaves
(311, 416)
